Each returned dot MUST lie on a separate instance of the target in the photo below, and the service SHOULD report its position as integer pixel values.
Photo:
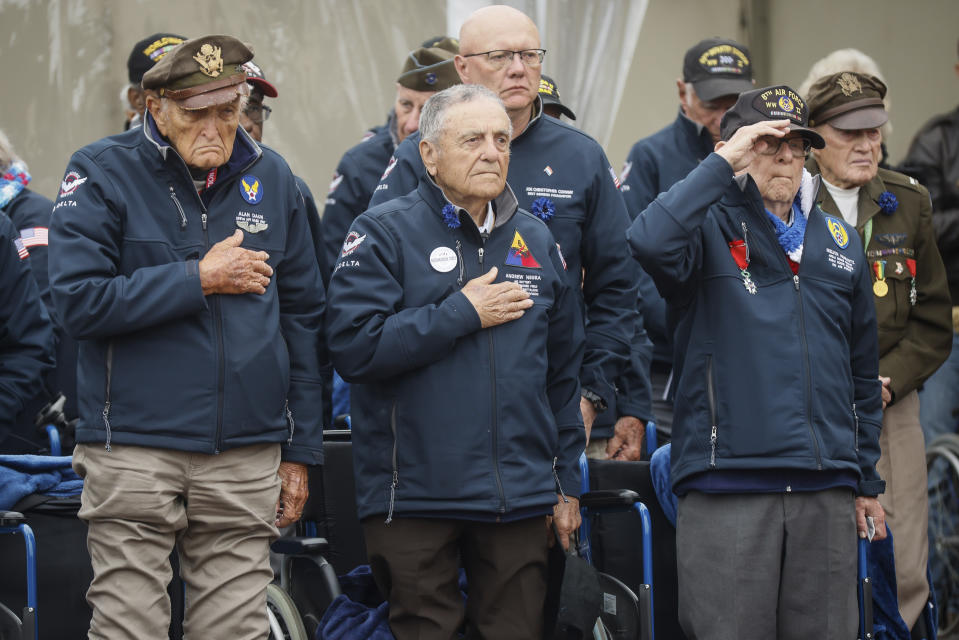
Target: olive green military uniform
(913, 312)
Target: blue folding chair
(23, 627)
(607, 501)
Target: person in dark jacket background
(26, 342)
(933, 159)
(199, 367)
(777, 413)
(452, 317)
(715, 72)
(561, 175)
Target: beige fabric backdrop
(334, 62)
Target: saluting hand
(744, 145)
(228, 268)
(496, 303)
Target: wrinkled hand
(886, 391)
(228, 268)
(496, 303)
(589, 415)
(870, 507)
(744, 145)
(294, 490)
(627, 441)
(567, 519)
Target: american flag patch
(548, 170)
(35, 237)
(615, 177)
(21, 250)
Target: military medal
(740, 253)
(911, 265)
(879, 287)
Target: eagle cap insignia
(849, 84)
(210, 60)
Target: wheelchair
(942, 464)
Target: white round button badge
(443, 259)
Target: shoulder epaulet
(899, 179)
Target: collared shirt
(490, 219)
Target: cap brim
(713, 88)
(814, 138)
(868, 118)
(550, 100)
(268, 89)
(222, 95)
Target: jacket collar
(504, 205)
(696, 133)
(868, 204)
(535, 120)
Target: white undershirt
(490, 218)
(847, 200)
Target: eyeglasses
(258, 113)
(798, 146)
(502, 58)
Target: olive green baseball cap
(202, 72)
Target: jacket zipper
(492, 378)
(179, 208)
(218, 327)
(106, 401)
(559, 485)
(289, 418)
(396, 474)
(805, 355)
(855, 416)
(805, 345)
(714, 428)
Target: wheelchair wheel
(285, 622)
(942, 463)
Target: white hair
(434, 111)
(846, 60)
(7, 154)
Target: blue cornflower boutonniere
(888, 203)
(543, 208)
(451, 217)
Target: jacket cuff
(871, 488)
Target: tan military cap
(202, 72)
(430, 68)
(847, 100)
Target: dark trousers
(416, 561)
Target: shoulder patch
(71, 182)
(837, 231)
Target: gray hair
(433, 115)
(846, 60)
(7, 154)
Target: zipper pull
(289, 418)
(203, 220)
(481, 253)
(396, 481)
(559, 485)
(746, 240)
(796, 281)
(713, 438)
(179, 209)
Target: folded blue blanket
(21, 476)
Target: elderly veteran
(451, 315)
(777, 412)
(563, 177)
(893, 215)
(425, 71)
(182, 262)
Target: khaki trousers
(902, 464)
(217, 510)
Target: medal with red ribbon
(880, 287)
(911, 265)
(739, 250)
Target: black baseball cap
(771, 103)
(718, 67)
(549, 94)
(147, 52)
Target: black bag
(574, 598)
